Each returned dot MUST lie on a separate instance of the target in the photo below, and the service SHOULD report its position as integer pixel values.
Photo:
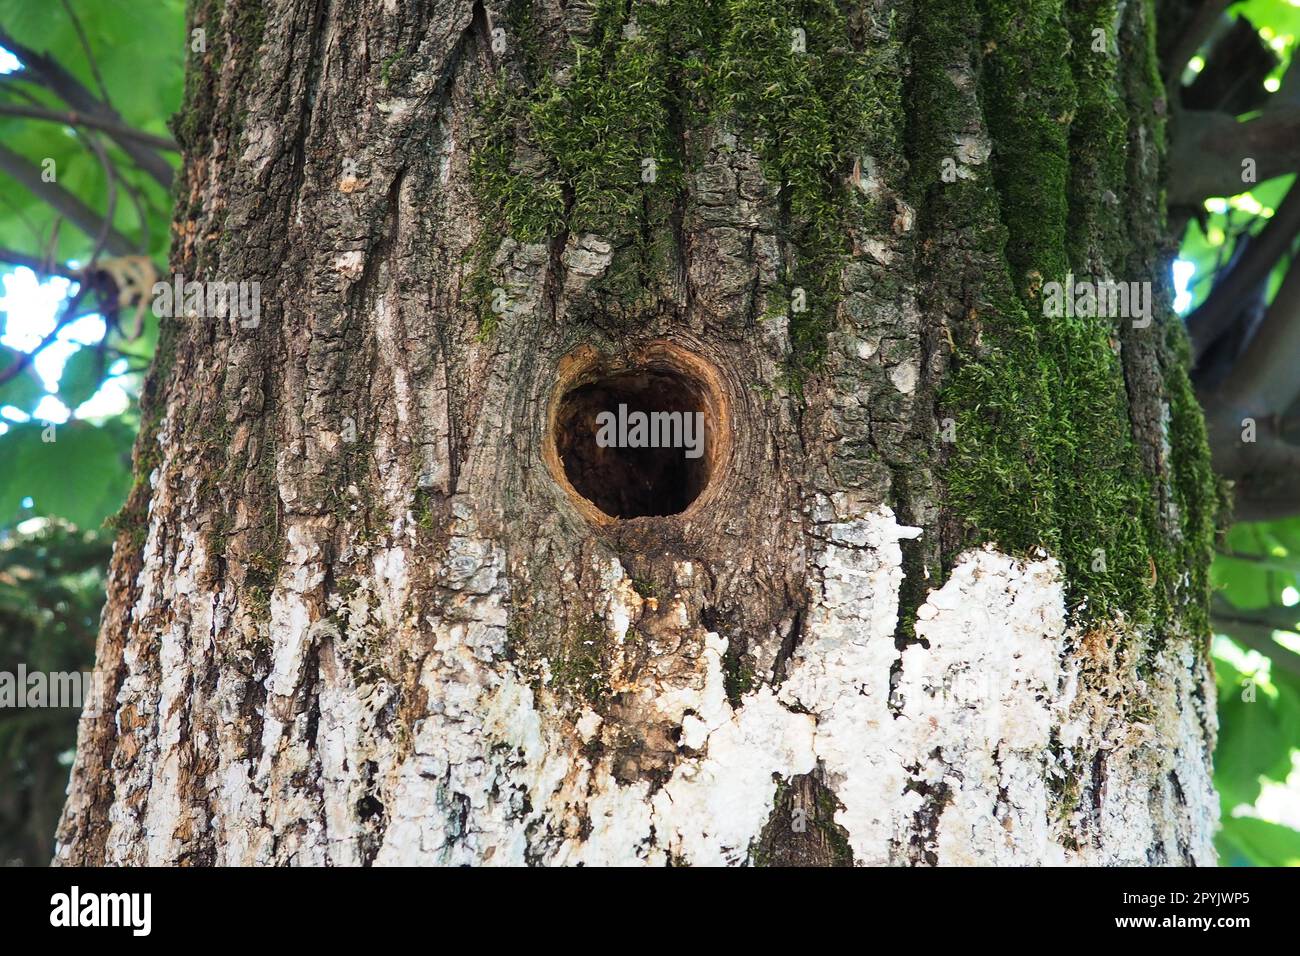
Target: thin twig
(140, 217)
(110, 206)
(1259, 638)
(25, 358)
(1274, 617)
(90, 57)
(1282, 565)
(36, 264)
(74, 118)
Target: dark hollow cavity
(632, 482)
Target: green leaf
(82, 375)
(1260, 842)
(82, 475)
(25, 389)
(1255, 737)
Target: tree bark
(941, 595)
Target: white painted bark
(494, 774)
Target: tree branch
(1268, 490)
(1208, 148)
(1212, 318)
(36, 264)
(69, 314)
(1261, 639)
(1263, 380)
(1273, 617)
(63, 202)
(1265, 561)
(1254, 629)
(48, 73)
(1191, 39)
(1289, 92)
(110, 205)
(85, 47)
(73, 118)
(1263, 471)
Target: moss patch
(1044, 453)
(579, 667)
(599, 143)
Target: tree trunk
(933, 591)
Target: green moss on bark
(599, 146)
(813, 113)
(579, 668)
(1045, 454)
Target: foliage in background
(73, 347)
(51, 593)
(143, 78)
(1256, 576)
(55, 496)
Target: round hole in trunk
(641, 436)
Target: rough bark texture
(357, 616)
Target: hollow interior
(637, 442)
